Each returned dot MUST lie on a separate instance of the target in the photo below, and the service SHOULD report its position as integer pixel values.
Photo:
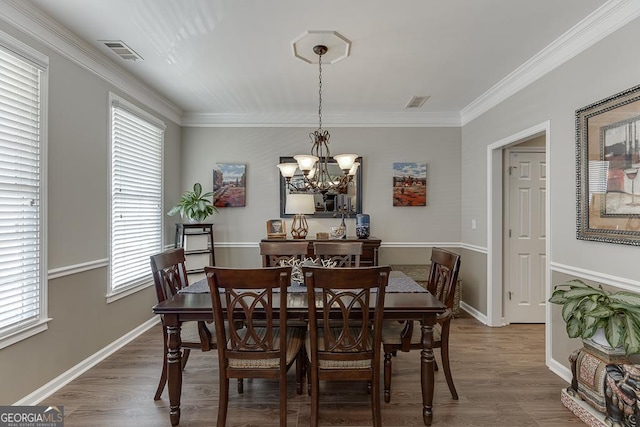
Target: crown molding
(446, 119)
(31, 21)
(610, 17)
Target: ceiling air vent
(122, 50)
(416, 101)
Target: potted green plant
(193, 205)
(587, 309)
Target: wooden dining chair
(170, 275)
(345, 254)
(259, 349)
(349, 350)
(274, 252)
(442, 282)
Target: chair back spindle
(274, 252)
(344, 254)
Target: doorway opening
(496, 222)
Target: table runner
(398, 283)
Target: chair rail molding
(604, 278)
(474, 248)
(68, 270)
(384, 244)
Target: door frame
(506, 249)
(495, 224)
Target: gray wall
(78, 226)
(601, 71)
(260, 149)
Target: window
(23, 308)
(136, 195)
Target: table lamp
(300, 205)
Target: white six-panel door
(524, 299)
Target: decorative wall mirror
(607, 164)
(329, 206)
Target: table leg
(174, 361)
(427, 372)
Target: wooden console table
(370, 247)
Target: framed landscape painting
(229, 185)
(409, 184)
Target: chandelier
(316, 176)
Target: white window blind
(21, 253)
(136, 195)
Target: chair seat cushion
(295, 338)
(341, 364)
(392, 332)
(189, 332)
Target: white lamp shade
(345, 161)
(300, 204)
(354, 169)
(288, 169)
(305, 161)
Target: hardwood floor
(499, 373)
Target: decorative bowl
(337, 232)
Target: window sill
(126, 292)
(25, 333)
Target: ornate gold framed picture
(607, 164)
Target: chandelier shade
(306, 162)
(345, 161)
(288, 169)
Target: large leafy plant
(194, 205)
(585, 309)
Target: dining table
(404, 300)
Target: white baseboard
(473, 312)
(82, 367)
(560, 370)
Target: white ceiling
(231, 61)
